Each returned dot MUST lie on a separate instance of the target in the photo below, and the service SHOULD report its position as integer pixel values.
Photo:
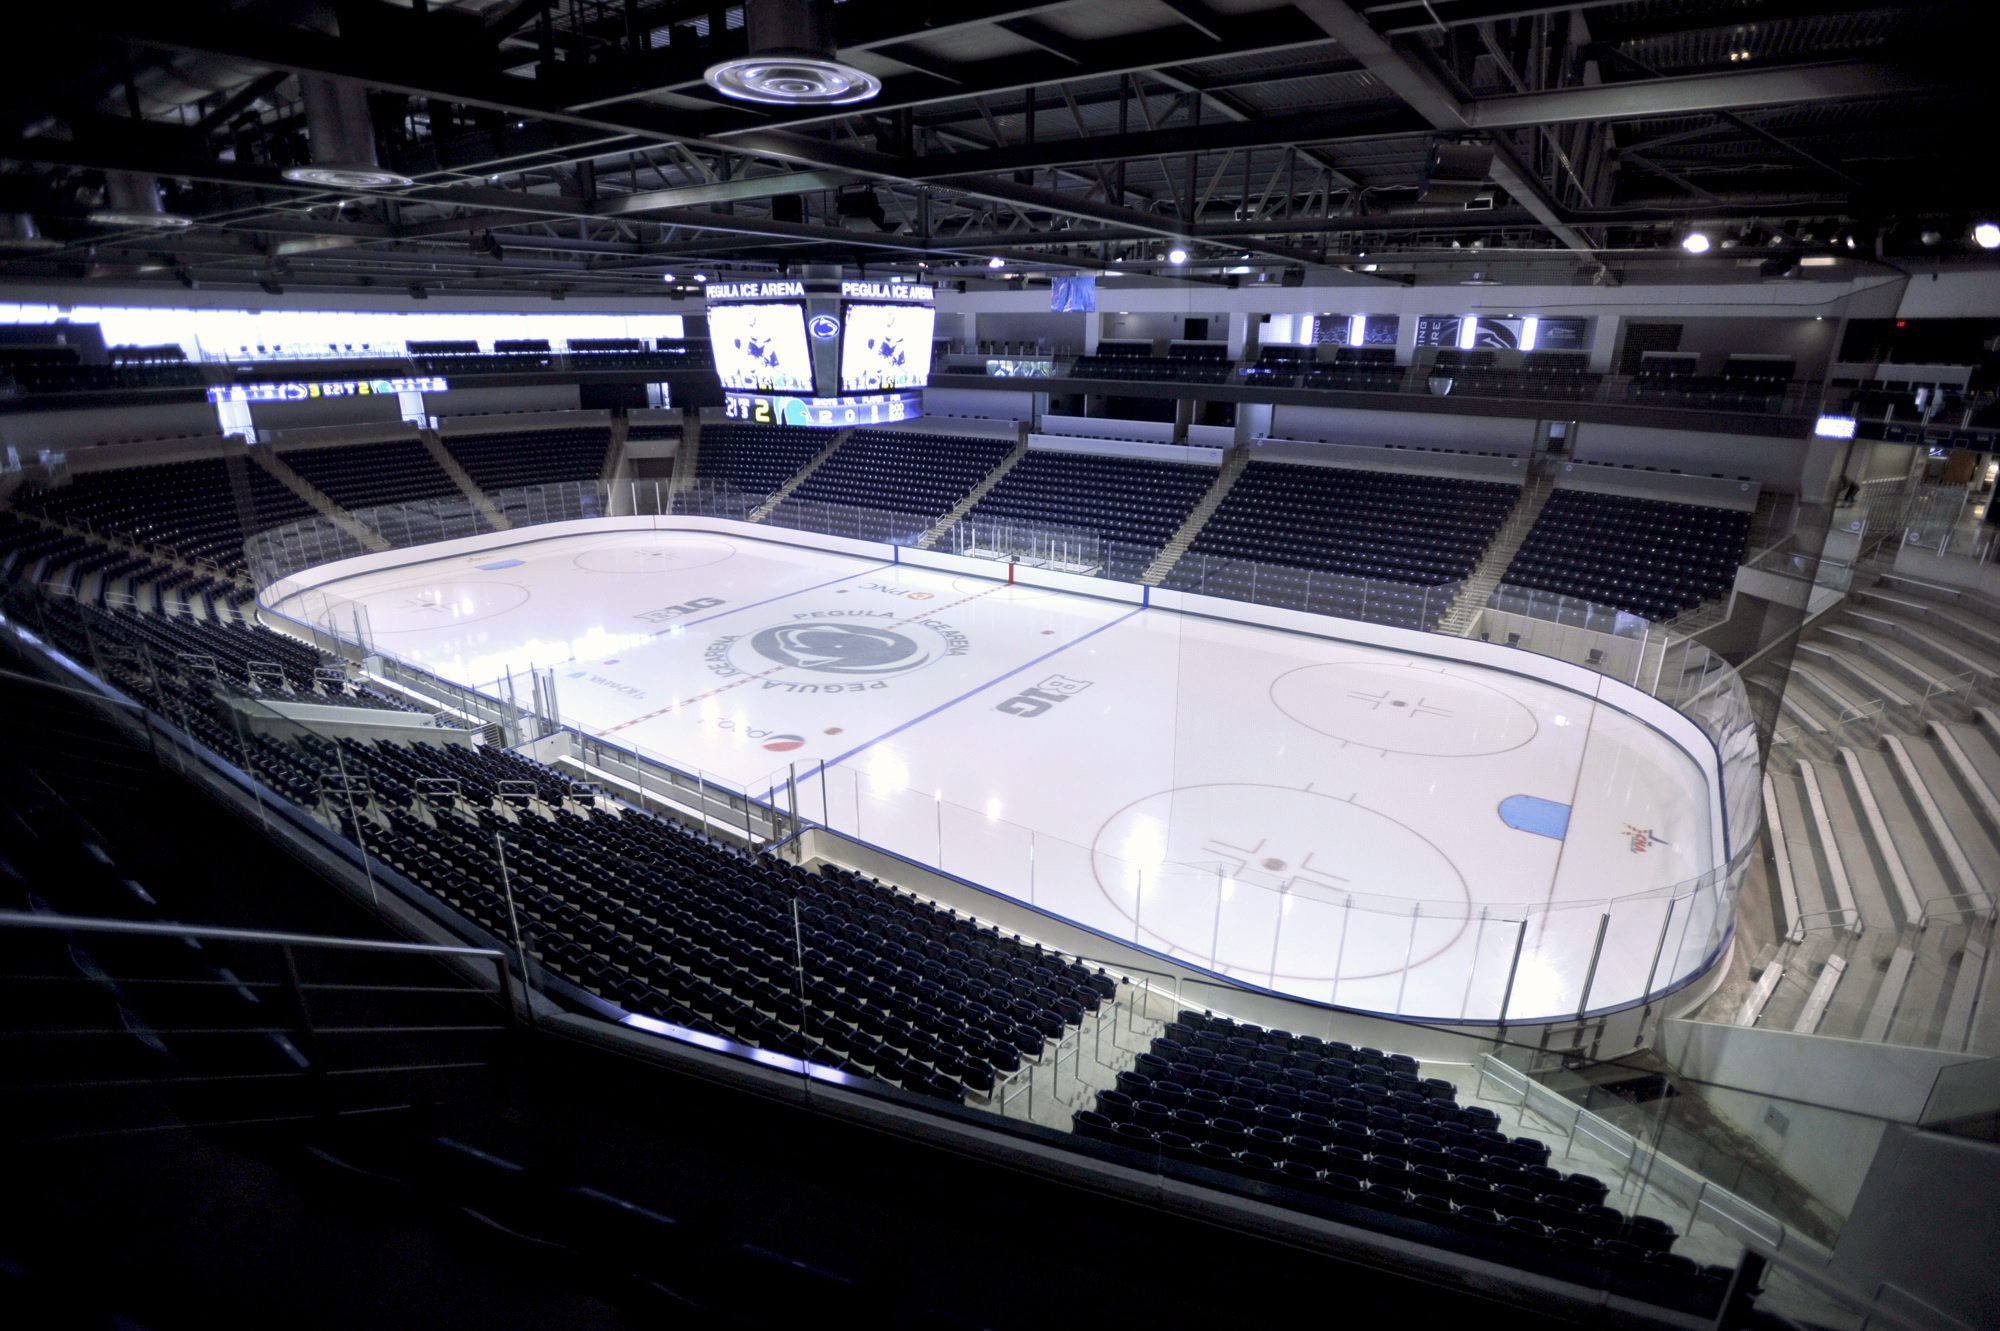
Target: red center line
(699, 697)
(949, 605)
(736, 683)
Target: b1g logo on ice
(849, 650)
(667, 613)
(1037, 700)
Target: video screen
(761, 348)
(886, 346)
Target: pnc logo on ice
(1037, 700)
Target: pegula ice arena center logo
(837, 652)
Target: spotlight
(271, 287)
(185, 278)
(417, 291)
(666, 277)
(1694, 242)
(487, 246)
(1176, 255)
(996, 262)
(701, 277)
(1986, 235)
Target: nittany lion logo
(839, 649)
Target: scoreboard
(820, 352)
(822, 412)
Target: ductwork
(343, 138)
(132, 199)
(18, 233)
(792, 59)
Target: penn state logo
(839, 649)
(823, 326)
(836, 651)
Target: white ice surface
(1297, 812)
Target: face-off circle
(658, 556)
(1402, 707)
(420, 607)
(1257, 845)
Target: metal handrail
(90, 924)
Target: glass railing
(1278, 933)
(507, 854)
(1398, 603)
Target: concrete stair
(784, 491)
(687, 455)
(316, 497)
(614, 453)
(1177, 545)
(463, 480)
(1478, 589)
(977, 493)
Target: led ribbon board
(823, 413)
(302, 392)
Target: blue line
(796, 591)
(981, 688)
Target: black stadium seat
(1648, 557)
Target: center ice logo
(839, 649)
(859, 649)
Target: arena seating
(530, 457)
(756, 459)
(921, 475)
(1354, 377)
(1394, 544)
(1363, 1128)
(476, 362)
(177, 659)
(186, 507)
(1136, 504)
(1752, 387)
(1151, 369)
(60, 370)
(100, 573)
(1649, 557)
(1560, 376)
(366, 475)
(666, 923)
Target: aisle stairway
(800, 477)
(1478, 589)
(1233, 463)
(449, 465)
(1882, 804)
(977, 493)
(313, 495)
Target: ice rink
(1322, 817)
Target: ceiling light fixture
(132, 199)
(1177, 255)
(341, 133)
(996, 262)
(1986, 235)
(791, 60)
(1695, 242)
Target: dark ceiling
(571, 145)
